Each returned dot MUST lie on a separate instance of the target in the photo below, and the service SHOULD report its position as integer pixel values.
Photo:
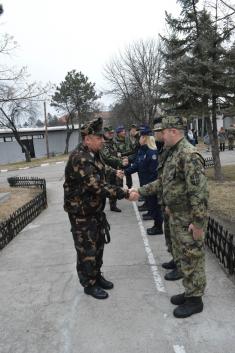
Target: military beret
(171, 122)
(119, 129)
(93, 127)
(146, 131)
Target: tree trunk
(215, 146)
(212, 132)
(69, 133)
(24, 148)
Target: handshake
(133, 194)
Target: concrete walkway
(44, 310)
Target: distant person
(206, 141)
(190, 137)
(222, 139)
(231, 137)
(195, 136)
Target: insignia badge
(195, 179)
(154, 157)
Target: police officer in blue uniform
(145, 165)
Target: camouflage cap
(93, 127)
(134, 126)
(108, 129)
(157, 126)
(111, 129)
(173, 122)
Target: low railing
(25, 214)
(221, 243)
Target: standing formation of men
(180, 189)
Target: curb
(34, 166)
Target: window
(8, 139)
(39, 137)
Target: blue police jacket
(145, 165)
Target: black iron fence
(25, 214)
(221, 243)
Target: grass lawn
(222, 195)
(18, 198)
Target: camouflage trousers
(189, 255)
(230, 143)
(89, 239)
(167, 232)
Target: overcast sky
(57, 36)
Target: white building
(34, 139)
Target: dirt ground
(18, 198)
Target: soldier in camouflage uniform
(231, 137)
(85, 192)
(110, 157)
(175, 274)
(124, 148)
(183, 187)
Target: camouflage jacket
(85, 186)
(182, 183)
(231, 133)
(109, 155)
(124, 147)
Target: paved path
(44, 310)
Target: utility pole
(46, 133)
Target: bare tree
(135, 76)
(12, 112)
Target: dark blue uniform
(145, 165)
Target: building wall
(228, 120)
(11, 152)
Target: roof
(36, 129)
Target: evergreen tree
(75, 96)
(199, 71)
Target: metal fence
(221, 243)
(25, 214)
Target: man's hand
(134, 195)
(120, 174)
(197, 232)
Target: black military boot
(115, 209)
(173, 275)
(142, 208)
(103, 283)
(147, 217)
(113, 205)
(192, 305)
(178, 299)
(155, 230)
(171, 265)
(96, 292)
